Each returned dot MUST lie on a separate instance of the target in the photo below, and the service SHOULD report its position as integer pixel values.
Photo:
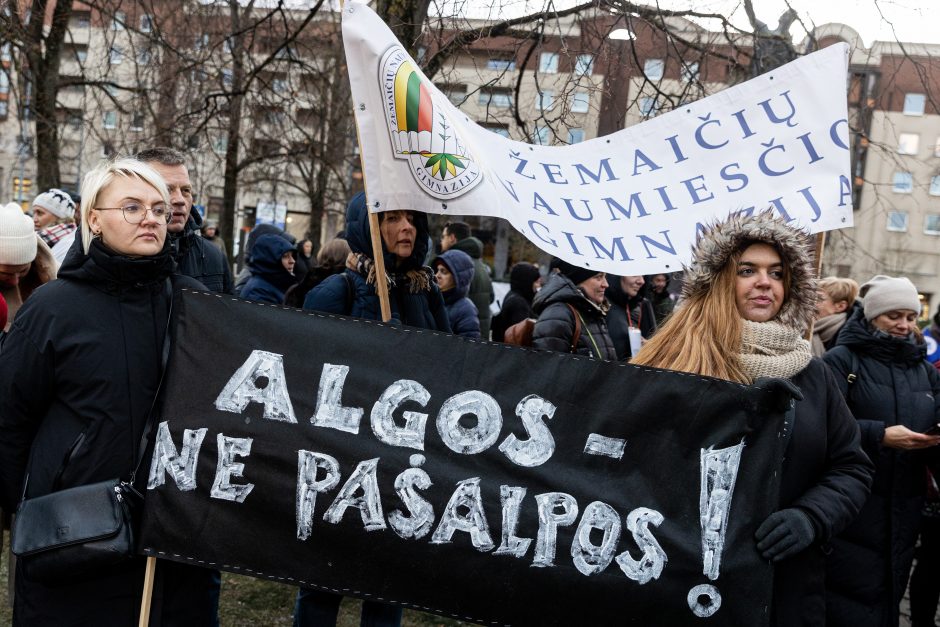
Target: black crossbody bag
(80, 530)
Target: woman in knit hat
(25, 260)
(895, 396)
(572, 309)
(53, 216)
(747, 298)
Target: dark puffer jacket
(554, 329)
(423, 308)
(481, 287)
(868, 569)
(517, 306)
(269, 278)
(626, 312)
(461, 311)
(200, 259)
(80, 370)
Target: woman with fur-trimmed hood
(747, 298)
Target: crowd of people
(78, 383)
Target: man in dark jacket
(196, 257)
(457, 235)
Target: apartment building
(586, 76)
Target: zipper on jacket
(67, 460)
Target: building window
(541, 135)
(5, 52)
(580, 102)
(690, 72)
(220, 143)
(908, 143)
(144, 56)
(903, 183)
(4, 82)
(455, 93)
(548, 63)
(4, 111)
(228, 77)
(575, 135)
(81, 53)
(80, 19)
(109, 120)
(227, 45)
(280, 86)
(146, 23)
(201, 42)
(648, 107)
(584, 65)
(116, 55)
(914, 104)
(499, 129)
(74, 119)
(932, 224)
(107, 150)
(119, 20)
(654, 69)
(545, 100)
(935, 185)
(500, 65)
(495, 97)
(137, 122)
(897, 221)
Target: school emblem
(421, 131)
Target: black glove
(784, 534)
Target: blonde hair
(100, 177)
(703, 335)
(839, 289)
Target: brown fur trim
(722, 239)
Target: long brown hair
(703, 335)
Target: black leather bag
(74, 532)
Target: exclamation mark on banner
(719, 472)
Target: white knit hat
(17, 236)
(56, 202)
(884, 293)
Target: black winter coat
(626, 312)
(80, 369)
(871, 559)
(200, 259)
(827, 475)
(554, 329)
(517, 305)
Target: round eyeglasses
(134, 212)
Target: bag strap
(577, 328)
(164, 358)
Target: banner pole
(820, 249)
(148, 592)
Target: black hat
(576, 274)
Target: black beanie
(576, 274)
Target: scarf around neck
(417, 280)
(771, 349)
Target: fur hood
(722, 239)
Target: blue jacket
(461, 311)
(423, 309)
(269, 278)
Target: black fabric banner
(484, 482)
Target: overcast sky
(906, 20)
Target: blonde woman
(747, 299)
(836, 297)
(79, 371)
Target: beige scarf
(770, 349)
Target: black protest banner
(486, 482)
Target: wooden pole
(148, 592)
(381, 283)
(820, 249)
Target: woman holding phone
(879, 363)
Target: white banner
(628, 203)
